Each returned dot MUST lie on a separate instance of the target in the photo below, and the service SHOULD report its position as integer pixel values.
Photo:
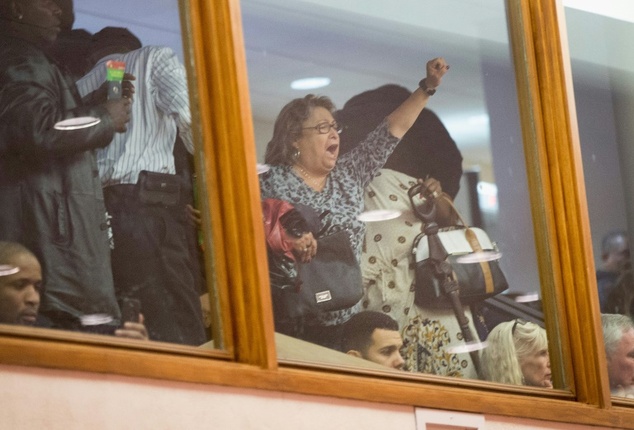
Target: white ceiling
(362, 44)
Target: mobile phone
(115, 71)
(130, 310)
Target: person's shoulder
(273, 172)
(275, 176)
(14, 49)
(22, 61)
(165, 50)
(157, 51)
(142, 54)
(161, 60)
(15, 44)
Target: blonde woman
(517, 353)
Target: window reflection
(100, 220)
(603, 94)
(467, 140)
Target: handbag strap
(446, 197)
(424, 208)
(474, 243)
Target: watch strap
(423, 86)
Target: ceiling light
(310, 83)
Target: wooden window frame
(248, 358)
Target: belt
(120, 190)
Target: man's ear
(354, 353)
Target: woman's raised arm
(404, 116)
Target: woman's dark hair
(288, 127)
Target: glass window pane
(369, 57)
(603, 76)
(99, 181)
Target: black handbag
(472, 256)
(155, 188)
(330, 281)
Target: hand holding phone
(115, 71)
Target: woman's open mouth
(333, 149)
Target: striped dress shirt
(160, 107)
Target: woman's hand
(431, 188)
(404, 116)
(100, 95)
(432, 192)
(436, 69)
(304, 247)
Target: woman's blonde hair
(508, 343)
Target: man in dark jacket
(50, 195)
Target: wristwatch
(423, 86)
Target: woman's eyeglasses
(324, 127)
(517, 321)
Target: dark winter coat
(50, 194)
